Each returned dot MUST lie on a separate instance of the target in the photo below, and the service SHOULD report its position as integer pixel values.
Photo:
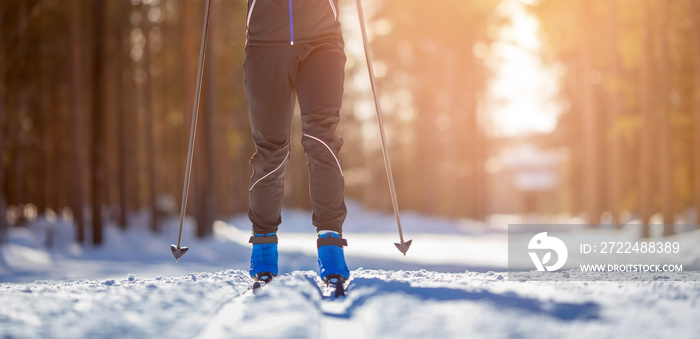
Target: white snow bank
(452, 284)
(380, 304)
(439, 244)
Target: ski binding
(262, 279)
(334, 286)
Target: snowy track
(380, 304)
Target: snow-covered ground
(452, 284)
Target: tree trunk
(43, 119)
(77, 116)
(647, 131)
(20, 138)
(97, 138)
(614, 175)
(192, 34)
(208, 130)
(121, 120)
(589, 124)
(663, 126)
(695, 44)
(205, 175)
(148, 111)
(4, 225)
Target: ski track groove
(230, 313)
(336, 320)
(416, 304)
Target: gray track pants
(316, 72)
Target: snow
(452, 284)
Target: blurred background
(492, 107)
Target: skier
(295, 47)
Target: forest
(96, 99)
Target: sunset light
(522, 97)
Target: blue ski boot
(263, 259)
(331, 258)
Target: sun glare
(522, 92)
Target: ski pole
(404, 245)
(179, 251)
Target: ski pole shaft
(403, 246)
(193, 126)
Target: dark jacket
(279, 22)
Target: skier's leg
(320, 91)
(269, 73)
(270, 98)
